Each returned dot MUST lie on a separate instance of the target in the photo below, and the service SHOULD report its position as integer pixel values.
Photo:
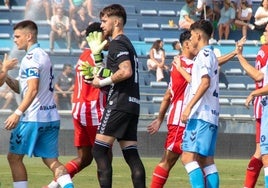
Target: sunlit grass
(232, 172)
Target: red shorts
(174, 138)
(258, 130)
(84, 135)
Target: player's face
(21, 38)
(194, 38)
(107, 25)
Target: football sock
(20, 184)
(266, 177)
(195, 175)
(252, 173)
(160, 176)
(72, 168)
(65, 181)
(53, 184)
(133, 160)
(104, 166)
(212, 176)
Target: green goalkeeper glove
(94, 40)
(89, 71)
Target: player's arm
(258, 92)
(255, 74)
(238, 50)
(204, 85)
(13, 84)
(154, 126)
(12, 121)
(124, 72)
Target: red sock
(72, 168)
(159, 178)
(252, 173)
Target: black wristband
(98, 57)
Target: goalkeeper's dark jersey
(123, 96)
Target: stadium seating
(148, 20)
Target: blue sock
(69, 185)
(195, 175)
(212, 180)
(212, 176)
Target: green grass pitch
(231, 171)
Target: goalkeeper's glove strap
(98, 57)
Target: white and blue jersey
(207, 108)
(36, 64)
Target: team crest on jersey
(33, 71)
(29, 56)
(263, 138)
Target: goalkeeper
(88, 102)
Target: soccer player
(35, 123)
(88, 106)
(173, 97)
(260, 94)
(201, 112)
(256, 162)
(121, 113)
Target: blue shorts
(35, 138)
(200, 137)
(264, 131)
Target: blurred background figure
(6, 95)
(187, 14)
(157, 59)
(33, 8)
(74, 5)
(80, 22)
(176, 46)
(57, 4)
(60, 28)
(227, 17)
(64, 88)
(261, 16)
(243, 18)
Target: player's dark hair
(203, 25)
(95, 26)
(29, 24)
(186, 35)
(114, 10)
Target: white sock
(64, 180)
(53, 184)
(20, 184)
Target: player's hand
(185, 115)
(87, 70)
(94, 40)
(96, 82)
(11, 122)
(249, 100)
(8, 64)
(154, 126)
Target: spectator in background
(261, 15)
(33, 8)
(187, 15)
(157, 59)
(243, 17)
(227, 17)
(60, 28)
(74, 5)
(64, 87)
(80, 22)
(56, 4)
(7, 95)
